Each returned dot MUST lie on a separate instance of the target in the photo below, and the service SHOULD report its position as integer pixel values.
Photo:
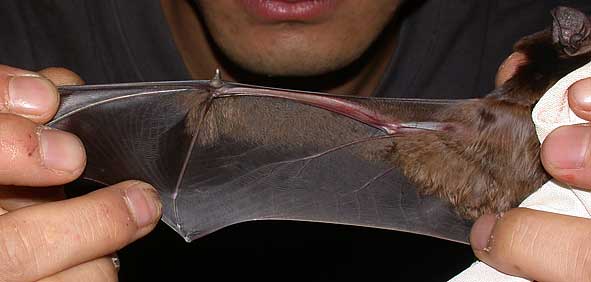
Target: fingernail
(566, 147)
(144, 203)
(61, 150)
(581, 95)
(480, 236)
(30, 95)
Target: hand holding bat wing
(222, 153)
(226, 158)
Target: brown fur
(486, 162)
(489, 161)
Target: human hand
(67, 240)
(539, 245)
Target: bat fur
(490, 159)
(487, 159)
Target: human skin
(538, 245)
(46, 238)
(327, 54)
(53, 260)
(42, 236)
(315, 46)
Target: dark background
(293, 251)
(288, 251)
(458, 41)
(107, 42)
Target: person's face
(295, 37)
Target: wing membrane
(253, 158)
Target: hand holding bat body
(222, 153)
(492, 141)
(198, 146)
(68, 240)
(538, 245)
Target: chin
(292, 66)
(295, 44)
(303, 58)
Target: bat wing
(220, 160)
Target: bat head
(571, 29)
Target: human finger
(27, 94)
(98, 270)
(535, 245)
(579, 98)
(42, 240)
(16, 197)
(565, 155)
(35, 155)
(61, 76)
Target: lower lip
(289, 10)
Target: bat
(222, 153)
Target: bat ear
(571, 29)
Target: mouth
(289, 10)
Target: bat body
(490, 153)
(222, 153)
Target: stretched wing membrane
(252, 158)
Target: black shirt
(447, 49)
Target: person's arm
(66, 240)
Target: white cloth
(550, 112)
